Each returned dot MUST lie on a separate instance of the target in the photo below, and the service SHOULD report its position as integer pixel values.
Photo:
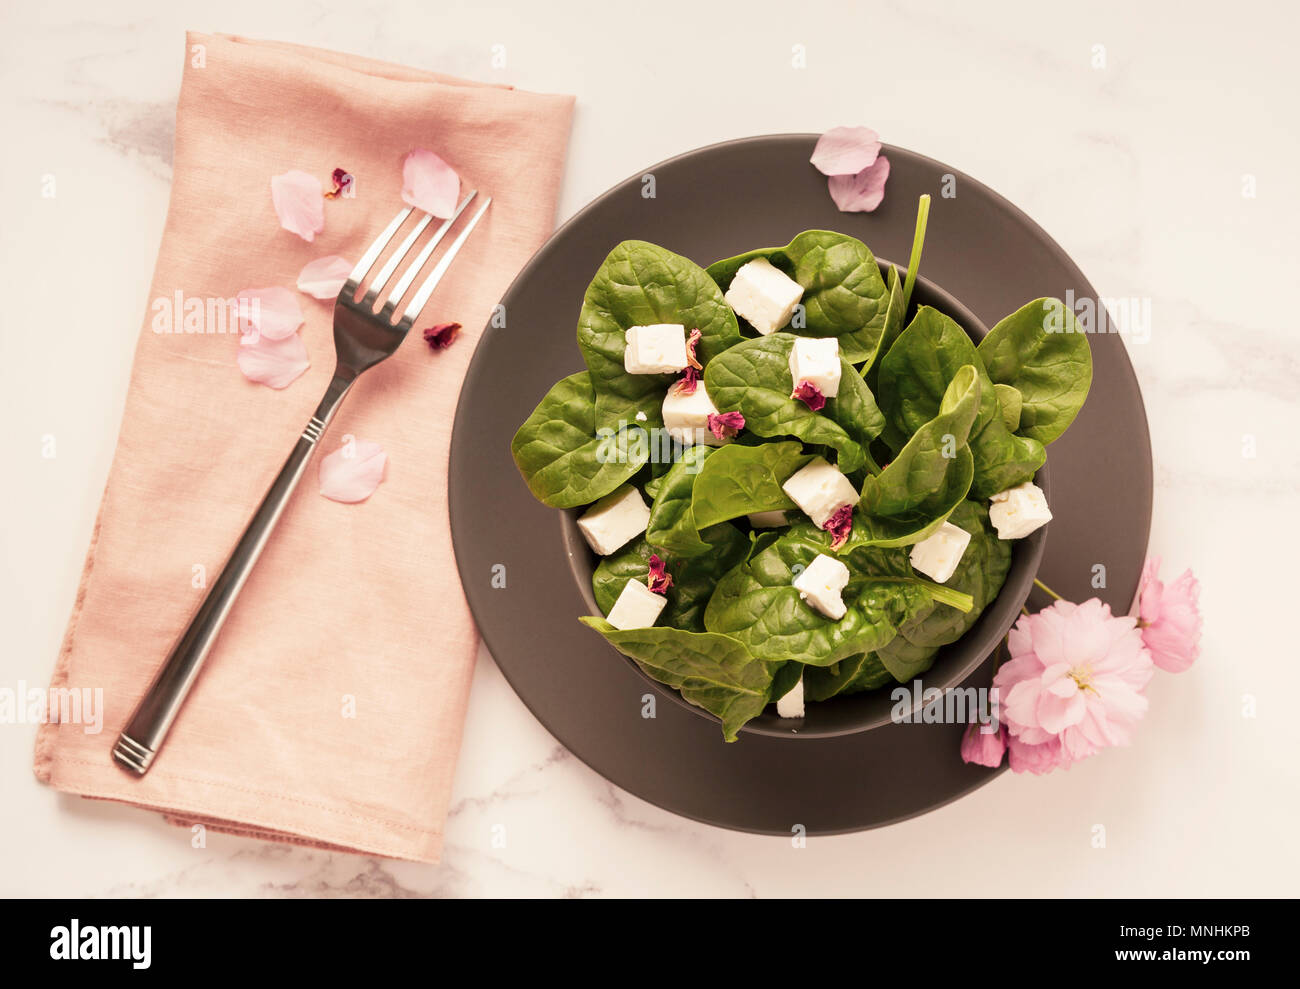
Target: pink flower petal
(725, 425)
(983, 749)
(659, 579)
(299, 202)
(686, 383)
(343, 182)
(863, 192)
(810, 395)
(840, 526)
(429, 183)
(441, 335)
(324, 277)
(1171, 618)
(353, 471)
(272, 313)
(276, 363)
(845, 150)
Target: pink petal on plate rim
(845, 150)
(275, 363)
(268, 312)
(863, 192)
(429, 183)
(324, 277)
(353, 471)
(299, 202)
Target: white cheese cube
(1018, 511)
(686, 417)
(821, 583)
(618, 517)
(791, 705)
(816, 360)
(938, 554)
(820, 490)
(764, 295)
(656, 349)
(767, 520)
(637, 607)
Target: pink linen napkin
(330, 710)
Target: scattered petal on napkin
(343, 181)
(863, 192)
(353, 471)
(299, 202)
(268, 312)
(845, 150)
(440, 336)
(324, 277)
(276, 363)
(429, 183)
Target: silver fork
(362, 338)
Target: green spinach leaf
(711, 671)
(738, 480)
(757, 604)
(848, 676)
(641, 284)
(844, 294)
(559, 454)
(1041, 352)
(754, 377)
(672, 525)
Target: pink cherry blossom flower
(429, 183)
(1037, 759)
(299, 202)
(845, 150)
(1075, 680)
(353, 471)
(1170, 618)
(863, 192)
(983, 749)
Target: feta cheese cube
(764, 295)
(816, 360)
(820, 490)
(767, 520)
(938, 554)
(791, 705)
(637, 607)
(1018, 511)
(618, 517)
(656, 349)
(821, 583)
(686, 417)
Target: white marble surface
(1136, 168)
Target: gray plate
(713, 203)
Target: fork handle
(153, 717)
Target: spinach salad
(799, 486)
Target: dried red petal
(691, 342)
(726, 425)
(440, 337)
(659, 579)
(840, 525)
(687, 382)
(808, 393)
(342, 183)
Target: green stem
(1043, 587)
(949, 596)
(914, 264)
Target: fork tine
(386, 272)
(430, 283)
(375, 249)
(408, 276)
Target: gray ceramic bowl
(955, 662)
